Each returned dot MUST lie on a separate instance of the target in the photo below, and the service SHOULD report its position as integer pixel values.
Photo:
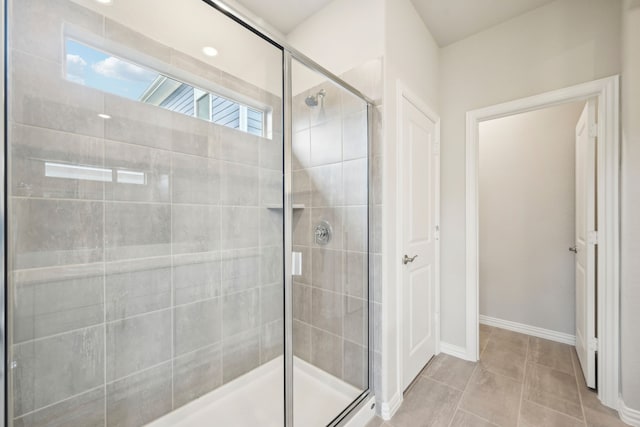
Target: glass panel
(330, 231)
(145, 244)
(92, 67)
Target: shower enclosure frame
(4, 389)
(288, 54)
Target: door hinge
(593, 237)
(593, 344)
(437, 232)
(593, 131)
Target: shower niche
(158, 183)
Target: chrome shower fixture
(315, 100)
(322, 233)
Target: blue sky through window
(94, 68)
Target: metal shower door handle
(406, 260)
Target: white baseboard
(453, 350)
(628, 415)
(535, 331)
(388, 409)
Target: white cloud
(75, 68)
(117, 69)
(76, 79)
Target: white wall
(527, 217)
(340, 36)
(630, 226)
(412, 56)
(561, 44)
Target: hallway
(520, 381)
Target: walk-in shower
(156, 196)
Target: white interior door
(586, 238)
(420, 182)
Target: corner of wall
(389, 408)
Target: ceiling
(284, 15)
(453, 20)
(448, 20)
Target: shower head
(314, 100)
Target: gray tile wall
(368, 78)
(131, 300)
(330, 178)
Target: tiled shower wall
(330, 182)
(131, 300)
(368, 78)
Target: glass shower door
(145, 216)
(331, 239)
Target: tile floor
(519, 381)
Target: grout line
(478, 416)
(425, 376)
(104, 265)
(260, 257)
(557, 412)
(462, 394)
(488, 338)
(575, 376)
(141, 371)
(172, 283)
(171, 150)
(167, 203)
(553, 368)
(524, 379)
(50, 405)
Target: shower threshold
(257, 399)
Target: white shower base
(257, 399)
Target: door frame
(404, 93)
(607, 93)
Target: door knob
(406, 260)
(573, 249)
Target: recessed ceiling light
(104, 1)
(210, 51)
(104, 116)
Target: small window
(203, 106)
(88, 66)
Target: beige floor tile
(492, 397)
(553, 389)
(500, 360)
(533, 415)
(485, 328)
(450, 370)
(465, 419)
(554, 392)
(601, 419)
(513, 341)
(429, 403)
(552, 354)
